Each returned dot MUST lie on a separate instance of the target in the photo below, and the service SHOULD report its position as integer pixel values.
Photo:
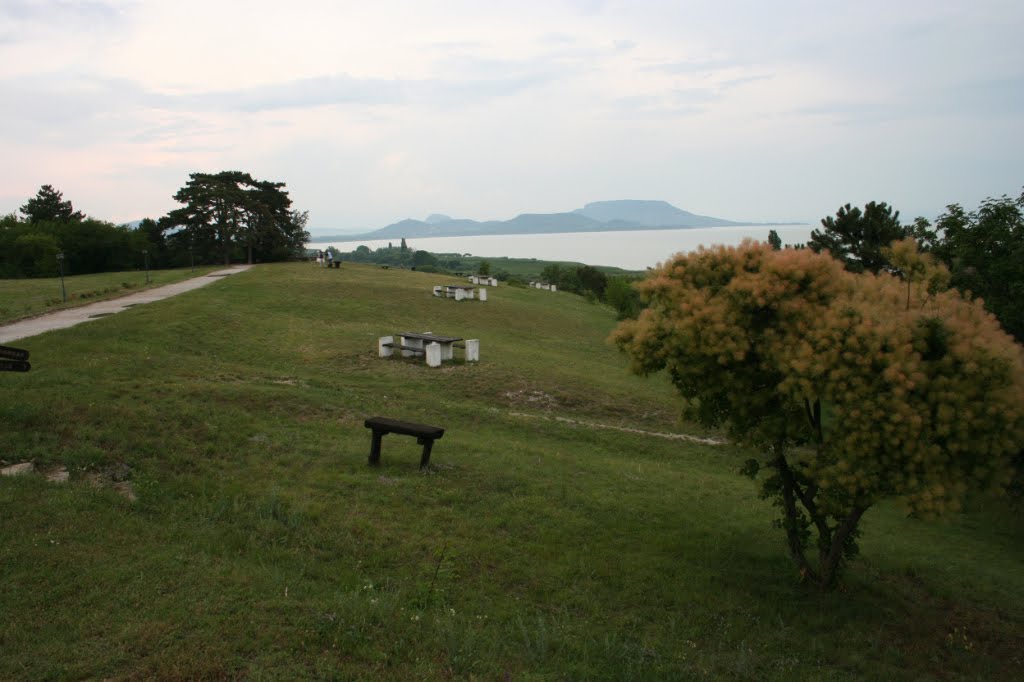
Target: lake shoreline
(626, 249)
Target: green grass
(20, 298)
(262, 546)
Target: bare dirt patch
(531, 398)
(626, 429)
(18, 469)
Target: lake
(633, 250)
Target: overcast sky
(379, 110)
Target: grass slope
(261, 545)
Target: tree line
(982, 249)
(618, 291)
(224, 217)
(400, 256)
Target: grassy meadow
(221, 521)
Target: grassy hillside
(260, 544)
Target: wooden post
(375, 448)
(428, 444)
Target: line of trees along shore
(225, 217)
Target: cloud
(669, 105)
(692, 66)
(26, 19)
(588, 7)
(981, 99)
(743, 80)
(58, 102)
(556, 39)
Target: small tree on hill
(623, 296)
(424, 258)
(850, 395)
(48, 205)
(857, 237)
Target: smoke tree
(852, 387)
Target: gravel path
(72, 316)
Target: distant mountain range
(598, 216)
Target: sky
(376, 111)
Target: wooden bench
(381, 426)
(14, 359)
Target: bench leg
(375, 448)
(427, 444)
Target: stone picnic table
(460, 292)
(434, 347)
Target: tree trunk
(831, 541)
(791, 516)
(829, 561)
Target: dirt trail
(62, 319)
(626, 429)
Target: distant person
(319, 257)
(330, 258)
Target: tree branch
(807, 500)
(796, 547)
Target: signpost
(13, 360)
(63, 291)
